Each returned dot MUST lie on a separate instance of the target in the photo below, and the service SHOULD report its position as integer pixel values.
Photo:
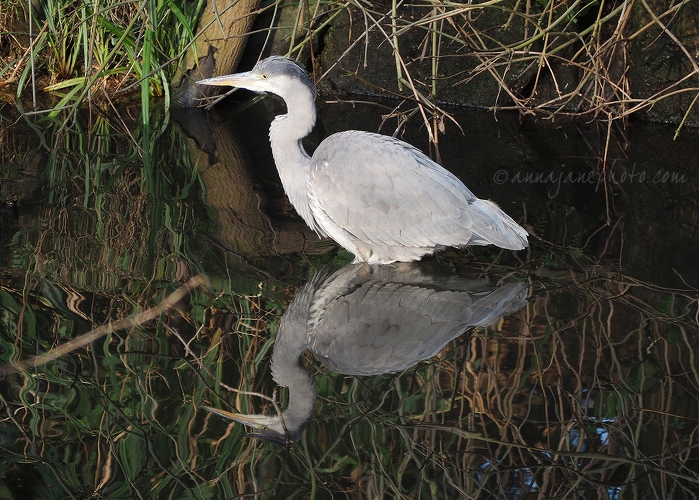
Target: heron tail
(493, 226)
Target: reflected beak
(247, 80)
(259, 422)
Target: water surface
(568, 368)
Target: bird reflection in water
(371, 320)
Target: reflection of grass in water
(115, 419)
(124, 415)
(117, 217)
(592, 386)
(555, 400)
(563, 396)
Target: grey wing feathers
(386, 192)
(404, 324)
(362, 324)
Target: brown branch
(97, 333)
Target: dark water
(569, 369)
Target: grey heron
(369, 320)
(378, 197)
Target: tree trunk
(223, 31)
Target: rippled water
(571, 368)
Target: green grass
(86, 50)
(94, 50)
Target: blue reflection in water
(614, 492)
(523, 480)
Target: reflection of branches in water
(593, 387)
(558, 405)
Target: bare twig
(112, 326)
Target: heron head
(279, 75)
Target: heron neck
(288, 371)
(287, 367)
(291, 159)
(302, 397)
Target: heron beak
(258, 422)
(247, 80)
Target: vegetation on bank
(549, 57)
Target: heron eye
(264, 75)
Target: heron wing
(386, 192)
(370, 320)
(388, 327)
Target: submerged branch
(112, 326)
